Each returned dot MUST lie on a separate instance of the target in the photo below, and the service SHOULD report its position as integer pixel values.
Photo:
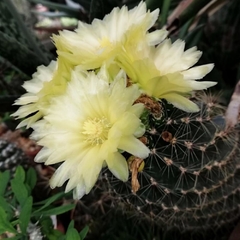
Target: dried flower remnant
(136, 165)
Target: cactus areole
(191, 178)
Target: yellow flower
(166, 71)
(87, 127)
(93, 44)
(46, 83)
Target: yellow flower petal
(166, 71)
(117, 164)
(46, 83)
(197, 72)
(93, 44)
(80, 190)
(134, 146)
(156, 37)
(83, 130)
(181, 102)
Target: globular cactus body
(191, 179)
(11, 156)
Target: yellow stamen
(96, 130)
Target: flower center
(96, 130)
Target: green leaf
(5, 225)
(4, 179)
(71, 225)
(184, 29)
(54, 211)
(5, 205)
(164, 11)
(72, 233)
(15, 222)
(153, 4)
(20, 174)
(84, 232)
(46, 225)
(50, 200)
(55, 235)
(20, 191)
(47, 230)
(193, 38)
(31, 178)
(25, 214)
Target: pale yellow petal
(167, 84)
(117, 164)
(181, 102)
(128, 123)
(90, 168)
(137, 109)
(61, 175)
(30, 120)
(200, 85)
(76, 181)
(140, 131)
(80, 190)
(26, 99)
(98, 43)
(134, 146)
(43, 155)
(25, 110)
(197, 72)
(156, 36)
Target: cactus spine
(191, 178)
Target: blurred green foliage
(21, 217)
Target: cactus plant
(11, 156)
(191, 178)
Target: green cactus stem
(191, 180)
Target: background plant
(24, 218)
